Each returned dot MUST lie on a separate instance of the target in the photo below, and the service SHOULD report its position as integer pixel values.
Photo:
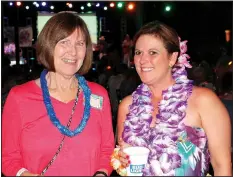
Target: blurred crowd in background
(113, 68)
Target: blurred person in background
(226, 95)
(126, 48)
(227, 99)
(201, 78)
(114, 83)
(223, 65)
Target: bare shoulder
(206, 100)
(203, 95)
(125, 103)
(124, 108)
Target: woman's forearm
(224, 170)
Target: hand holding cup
(124, 158)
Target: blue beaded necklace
(52, 115)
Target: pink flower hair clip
(183, 58)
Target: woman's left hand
(124, 158)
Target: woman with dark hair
(59, 124)
(184, 127)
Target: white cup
(138, 157)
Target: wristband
(19, 173)
(100, 172)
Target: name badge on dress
(96, 101)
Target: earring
(170, 66)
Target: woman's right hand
(27, 173)
(124, 158)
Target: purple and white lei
(162, 139)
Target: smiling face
(69, 54)
(152, 60)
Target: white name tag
(96, 101)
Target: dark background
(203, 24)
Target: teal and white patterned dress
(193, 149)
